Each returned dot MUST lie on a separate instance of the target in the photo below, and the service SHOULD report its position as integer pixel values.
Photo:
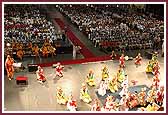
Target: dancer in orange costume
(9, 67)
(20, 52)
(35, 50)
(45, 51)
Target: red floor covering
(78, 61)
(71, 36)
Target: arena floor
(38, 97)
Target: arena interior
(84, 39)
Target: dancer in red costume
(138, 59)
(122, 61)
(40, 75)
(96, 106)
(156, 81)
(71, 104)
(59, 70)
(160, 96)
(156, 68)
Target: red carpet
(78, 61)
(71, 36)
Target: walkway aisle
(84, 50)
(54, 13)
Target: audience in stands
(24, 24)
(114, 25)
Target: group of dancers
(148, 101)
(151, 100)
(154, 67)
(58, 72)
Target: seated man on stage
(51, 50)
(20, 52)
(84, 95)
(9, 67)
(138, 59)
(35, 50)
(40, 75)
(45, 51)
(90, 79)
(30, 46)
(61, 98)
(59, 70)
(105, 73)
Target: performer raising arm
(59, 70)
(138, 59)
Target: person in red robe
(40, 75)
(96, 106)
(160, 96)
(9, 67)
(71, 104)
(138, 59)
(156, 68)
(155, 81)
(122, 61)
(59, 70)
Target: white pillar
(74, 52)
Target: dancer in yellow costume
(120, 75)
(113, 85)
(61, 98)
(84, 95)
(90, 79)
(105, 73)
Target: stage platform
(38, 97)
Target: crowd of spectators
(27, 23)
(115, 26)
